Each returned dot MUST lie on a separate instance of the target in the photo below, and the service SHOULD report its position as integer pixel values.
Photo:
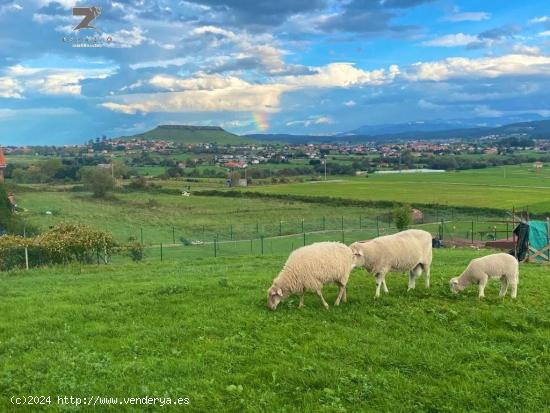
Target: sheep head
(455, 285)
(358, 255)
(274, 297)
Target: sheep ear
(279, 292)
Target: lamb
(480, 270)
(309, 269)
(409, 250)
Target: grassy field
(201, 330)
(191, 217)
(501, 187)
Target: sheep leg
(384, 286)
(514, 289)
(503, 287)
(301, 300)
(482, 284)
(345, 296)
(415, 272)
(341, 292)
(380, 278)
(427, 277)
(320, 294)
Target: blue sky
(258, 66)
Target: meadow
(163, 217)
(200, 329)
(500, 187)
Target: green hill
(188, 134)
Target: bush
(402, 217)
(98, 181)
(135, 251)
(62, 244)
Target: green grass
(201, 330)
(192, 217)
(499, 187)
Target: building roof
(2, 158)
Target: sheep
(480, 270)
(409, 250)
(309, 268)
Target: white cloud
(10, 7)
(541, 19)
(527, 50)
(451, 40)
(350, 103)
(467, 16)
(314, 120)
(213, 92)
(425, 104)
(52, 81)
(545, 33)
(6, 114)
(10, 88)
(485, 67)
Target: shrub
(402, 217)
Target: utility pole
(325, 162)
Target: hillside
(188, 134)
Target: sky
(267, 66)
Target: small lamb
(309, 269)
(480, 270)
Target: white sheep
(309, 269)
(409, 250)
(480, 270)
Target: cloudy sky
(267, 66)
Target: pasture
(163, 216)
(500, 187)
(200, 329)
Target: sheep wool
(481, 270)
(409, 250)
(311, 267)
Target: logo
(89, 13)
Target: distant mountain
(188, 134)
(442, 125)
(538, 129)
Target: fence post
(251, 246)
(173, 235)
(26, 257)
(324, 223)
(507, 229)
(262, 244)
(161, 252)
(377, 226)
(302, 224)
(441, 229)
(280, 228)
(304, 238)
(343, 237)
(257, 228)
(231, 231)
(360, 222)
(141, 232)
(472, 231)
(215, 246)
(342, 222)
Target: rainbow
(261, 121)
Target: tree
(97, 180)
(402, 217)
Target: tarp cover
(534, 235)
(538, 236)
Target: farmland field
(500, 187)
(196, 216)
(200, 329)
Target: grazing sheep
(480, 270)
(409, 250)
(311, 267)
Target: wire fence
(280, 238)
